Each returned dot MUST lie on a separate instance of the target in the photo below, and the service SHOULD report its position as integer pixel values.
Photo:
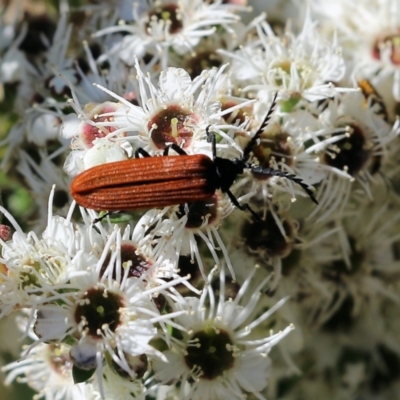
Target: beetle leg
(211, 138)
(107, 214)
(141, 152)
(242, 207)
(176, 148)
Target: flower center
(6, 233)
(273, 147)
(211, 352)
(60, 359)
(28, 276)
(350, 153)
(39, 27)
(131, 259)
(138, 364)
(200, 213)
(280, 74)
(237, 116)
(201, 61)
(89, 133)
(170, 14)
(172, 125)
(266, 237)
(99, 310)
(188, 266)
(389, 43)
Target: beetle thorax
(227, 171)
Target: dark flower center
(99, 309)
(169, 13)
(211, 352)
(172, 125)
(266, 237)
(350, 153)
(130, 258)
(273, 146)
(200, 213)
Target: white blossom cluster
(293, 242)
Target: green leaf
(117, 217)
(69, 340)
(20, 202)
(81, 375)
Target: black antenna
(284, 174)
(253, 140)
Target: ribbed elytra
(147, 182)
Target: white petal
(51, 323)
(174, 82)
(74, 163)
(70, 126)
(101, 154)
(83, 354)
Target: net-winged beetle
(149, 182)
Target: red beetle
(150, 182)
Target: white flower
(13, 64)
(213, 355)
(160, 26)
(57, 64)
(95, 139)
(281, 146)
(145, 249)
(40, 178)
(118, 388)
(299, 67)
(177, 233)
(36, 267)
(91, 288)
(178, 110)
(351, 143)
(369, 31)
(107, 319)
(117, 79)
(48, 370)
(349, 265)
